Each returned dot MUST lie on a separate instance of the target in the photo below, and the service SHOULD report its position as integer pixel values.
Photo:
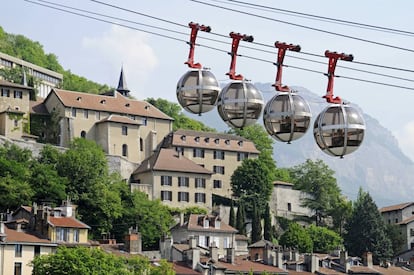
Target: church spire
(122, 86)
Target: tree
(240, 221)
(297, 237)
(393, 232)
(317, 180)
(256, 225)
(340, 213)
(324, 240)
(232, 217)
(252, 183)
(267, 224)
(366, 230)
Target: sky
(153, 63)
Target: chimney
(295, 255)
(181, 218)
(165, 247)
(279, 259)
(192, 242)
(312, 261)
(267, 254)
(367, 259)
(343, 260)
(133, 242)
(195, 257)
(214, 252)
(230, 255)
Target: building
(287, 202)
(219, 153)
(402, 215)
(48, 79)
(174, 179)
(19, 246)
(14, 110)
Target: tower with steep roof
(122, 86)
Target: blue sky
(154, 64)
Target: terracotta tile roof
(112, 104)
(27, 208)
(395, 207)
(66, 222)
(407, 221)
(394, 270)
(282, 183)
(362, 270)
(242, 265)
(181, 268)
(120, 119)
(23, 237)
(195, 224)
(169, 160)
(213, 141)
(328, 271)
(181, 246)
(14, 85)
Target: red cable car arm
(234, 46)
(282, 47)
(333, 58)
(194, 29)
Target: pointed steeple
(122, 86)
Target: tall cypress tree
(256, 225)
(232, 218)
(267, 224)
(240, 222)
(366, 230)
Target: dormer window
(103, 101)
(240, 143)
(79, 98)
(217, 141)
(217, 223)
(227, 142)
(183, 138)
(206, 223)
(207, 140)
(127, 105)
(197, 139)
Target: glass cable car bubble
(287, 115)
(240, 103)
(339, 129)
(197, 90)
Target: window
(218, 169)
(37, 250)
(75, 235)
(144, 121)
(61, 234)
(85, 114)
(5, 92)
(218, 154)
(180, 150)
(198, 153)
(83, 134)
(411, 232)
(73, 112)
(226, 242)
(197, 139)
(18, 94)
(17, 268)
(241, 156)
(124, 150)
(166, 195)
(183, 181)
(200, 197)
(18, 250)
(166, 180)
(16, 123)
(289, 206)
(217, 184)
(124, 130)
(206, 223)
(183, 196)
(200, 183)
(396, 220)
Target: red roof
(195, 224)
(66, 222)
(242, 265)
(22, 237)
(396, 207)
(181, 268)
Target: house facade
(402, 215)
(219, 153)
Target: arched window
(141, 144)
(83, 134)
(124, 150)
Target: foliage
(318, 181)
(267, 235)
(232, 216)
(341, 214)
(49, 134)
(324, 240)
(81, 84)
(297, 237)
(181, 121)
(82, 260)
(366, 230)
(394, 234)
(240, 221)
(256, 225)
(252, 182)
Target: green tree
(232, 217)
(297, 237)
(252, 182)
(340, 213)
(240, 219)
(393, 232)
(317, 180)
(267, 224)
(324, 240)
(366, 230)
(256, 225)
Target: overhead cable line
(323, 18)
(306, 27)
(206, 46)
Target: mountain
(378, 166)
